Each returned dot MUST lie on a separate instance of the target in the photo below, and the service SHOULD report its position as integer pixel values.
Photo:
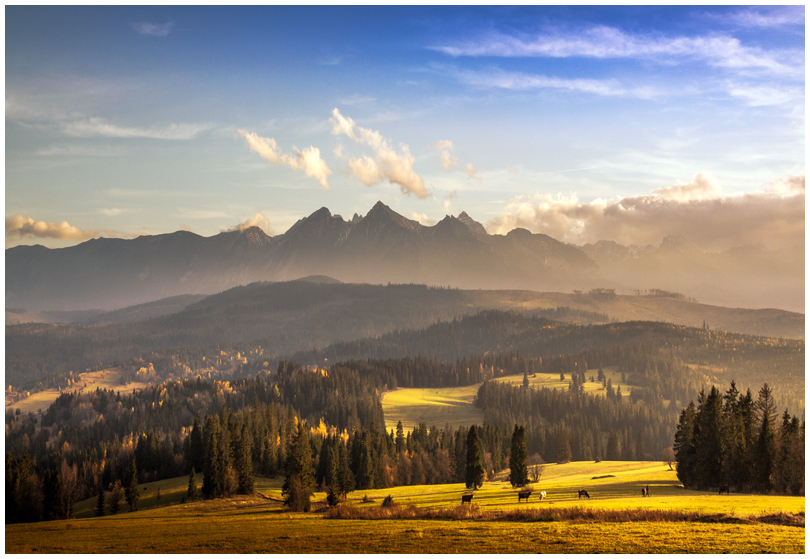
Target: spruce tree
(300, 481)
(100, 501)
(765, 446)
(400, 440)
(191, 494)
(684, 447)
(132, 494)
(612, 452)
(474, 470)
(245, 464)
(345, 476)
(115, 496)
(211, 476)
(518, 470)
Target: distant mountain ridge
(386, 247)
(381, 247)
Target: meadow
(454, 405)
(104, 379)
(260, 523)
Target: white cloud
(499, 79)
(471, 171)
(366, 170)
(765, 95)
(449, 162)
(111, 212)
(509, 169)
(422, 218)
(258, 220)
(442, 144)
(771, 17)
(153, 29)
(309, 160)
(698, 211)
(396, 167)
(609, 42)
(90, 127)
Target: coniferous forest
(323, 427)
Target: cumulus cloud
(258, 220)
(309, 160)
(153, 29)
(449, 162)
(698, 211)
(397, 168)
(22, 227)
(471, 171)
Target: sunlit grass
(251, 524)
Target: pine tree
(132, 494)
(345, 476)
(765, 446)
(245, 465)
(518, 470)
(100, 501)
(474, 471)
(115, 496)
(613, 452)
(300, 481)
(400, 440)
(365, 478)
(196, 446)
(332, 478)
(684, 447)
(709, 443)
(192, 493)
(211, 476)
(564, 448)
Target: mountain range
(385, 247)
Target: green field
(454, 405)
(261, 524)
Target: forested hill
(289, 317)
(719, 357)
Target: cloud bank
(308, 160)
(397, 168)
(258, 220)
(697, 211)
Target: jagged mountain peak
(473, 225)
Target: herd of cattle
(525, 493)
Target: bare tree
(536, 468)
(668, 456)
(71, 489)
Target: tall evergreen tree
(191, 493)
(684, 447)
(100, 501)
(212, 487)
(518, 469)
(709, 443)
(474, 471)
(612, 452)
(300, 481)
(132, 494)
(400, 440)
(245, 464)
(765, 446)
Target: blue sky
(585, 123)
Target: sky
(584, 123)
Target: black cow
(524, 495)
(583, 493)
(466, 499)
(724, 488)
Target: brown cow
(524, 495)
(583, 493)
(466, 499)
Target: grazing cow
(583, 493)
(466, 499)
(542, 495)
(648, 490)
(643, 491)
(524, 495)
(724, 488)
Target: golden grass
(615, 520)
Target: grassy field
(454, 405)
(258, 524)
(106, 379)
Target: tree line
(731, 440)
